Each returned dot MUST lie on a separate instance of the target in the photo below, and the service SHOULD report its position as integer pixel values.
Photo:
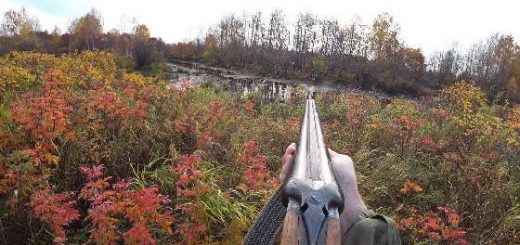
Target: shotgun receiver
(311, 194)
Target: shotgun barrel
(311, 194)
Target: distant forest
(22, 32)
(367, 56)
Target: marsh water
(272, 89)
(230, 81)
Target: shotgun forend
(311, 193)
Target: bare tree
(332, 37)
(446, 65)
(277, 34)
(18, 23)
(256, 30)
(356, 38)
(306, 35)
(489, 63)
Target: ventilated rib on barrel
(311, 194)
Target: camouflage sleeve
(372, 229)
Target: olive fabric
(369, 229)
(372, 229)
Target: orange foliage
(356, 117)
(190, 187)
(409, 186)
(141, 208)
(440, 225)
(45, 116)
(194, 228)
(406, 127)
(249, 106)
(210, 125)
(214, 112)
(56, 210)
(182, 125)
(253, 162)
(188, 184)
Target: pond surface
(273, 89)
(227, 80)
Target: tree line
(367, 56)
(22, 32)
(362, 55)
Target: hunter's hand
(287, 161)
(342, 164)
(345, 176)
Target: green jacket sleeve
(372, 229)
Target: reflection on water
(268, 88)
(273, 91)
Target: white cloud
(47, 20)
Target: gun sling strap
(269, 222)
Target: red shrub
(190, 187)
(254, 171)
(111, 208)
(188, 183)
(45, 116)
(183, 124)
(249, 106)
(57, 210)
(441, 224)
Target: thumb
(287, 161)
(332, 153)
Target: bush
(192, 165)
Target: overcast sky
(430, 25)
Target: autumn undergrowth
(91, 153)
